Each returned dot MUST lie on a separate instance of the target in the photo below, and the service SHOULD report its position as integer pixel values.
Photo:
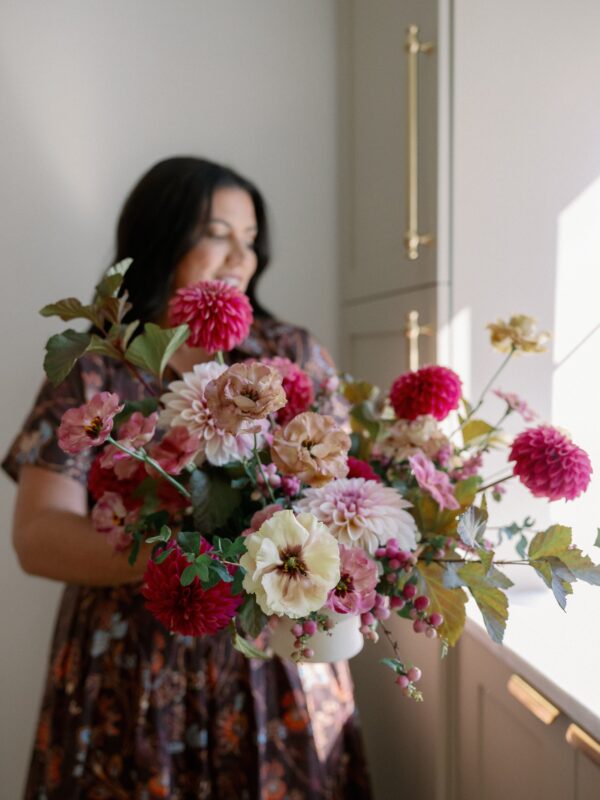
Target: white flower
(292, 563)
(406, 437)
(185, 404)
(362, 513)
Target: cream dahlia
(185, 404)
(406, 437)
(362, 513)
(292, 563)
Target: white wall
(93, 93)
(526, 211)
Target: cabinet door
(374, 342)
(375, 87)
(504, 751)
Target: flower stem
(260, 469)
(219, 357)
(485, 391)
(142, 456)
(495, 483)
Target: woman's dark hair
(162, 219)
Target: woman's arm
(54, 538)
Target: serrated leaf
(475, 430)
(465, 491)
(560, 588)
(62, 351)
(213, 499)
(103, 347)
(153, 348)
(492, 602)
(486, 556)
(246, 648)
(251, 617)
(450, 603)
(551, 542)
(582, 567)
(72, 308)
(115, 308)
(128, 333)
(471, 525)
(113, 279)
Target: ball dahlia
(189, 610)
(549, 464)
(297, 385)
(431, 390)
(219, 316)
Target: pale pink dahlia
(516, 403)
(185, 404)
(219, 315)
(297, 385)
(88, 425)
(431, 390)
(433, 481)
(355, 592)
(549, 464)
(109, 517)
(362, 513)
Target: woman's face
(226, 249)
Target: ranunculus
(133, 434)
(433, 481)
(549, 464)
(355, 592)
(292, 563)
(109, 517)
(185, 404)
(176, 449)
(88, 425)
(431, 390)
(312, 447)
(362, 513)
(219, 315)
(298, 388)
(244, 393)
(189, 610)
(519, 333)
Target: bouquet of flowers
(270, 502)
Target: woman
(129, 710)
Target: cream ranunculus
(292, 563)
(520, 334)
(245, 393)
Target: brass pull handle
(412, 238)
(582, 741)
(533, 701)
(412, 331)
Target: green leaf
(475, 430)
(251, 617)
(466, 491)
(153, 348)
(72, 308)
(221, 571)
(492, 602)
(450, 603)
(560, 588)
(189, 541)
(103, 347)
(582, 567)
(162, 536)
(112, 279)
(114, 308)
(363, 419)
(202, 566)
(551, 542)
(246, 648)
(62, 351)
(486, 556)
(238, 579)
(597, 542)
(128, 332)
(164, 555)
(188, 575)
(213, 499)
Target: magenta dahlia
(219, 315)
(189, 610)
(431, 390)
(297, 385)
(357, 468)
(549, 464)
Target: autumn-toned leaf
(475, 430)
(450, 603)
(492, 602)
(551, 542)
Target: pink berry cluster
(406, 679)
(380, 611)
(302, 632)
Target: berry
(310, 627)
(402, 681)
(409, 591)
(414, 674)
(421, 602)
(419, 626)
(435, 619)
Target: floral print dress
(131, 711)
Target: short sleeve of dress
(37, 443)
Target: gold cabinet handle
(580, 740)
(533, 701)
(412, 331)
(412, 238)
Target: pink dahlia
(298, 388)
(361, 513)
(433, 481)
(355, 593)
(219, 315)
(88, 425)
(431, 390)
(189, 610)
(549, 464)
(361, 469)
(110, 517)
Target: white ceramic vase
(343, 642)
